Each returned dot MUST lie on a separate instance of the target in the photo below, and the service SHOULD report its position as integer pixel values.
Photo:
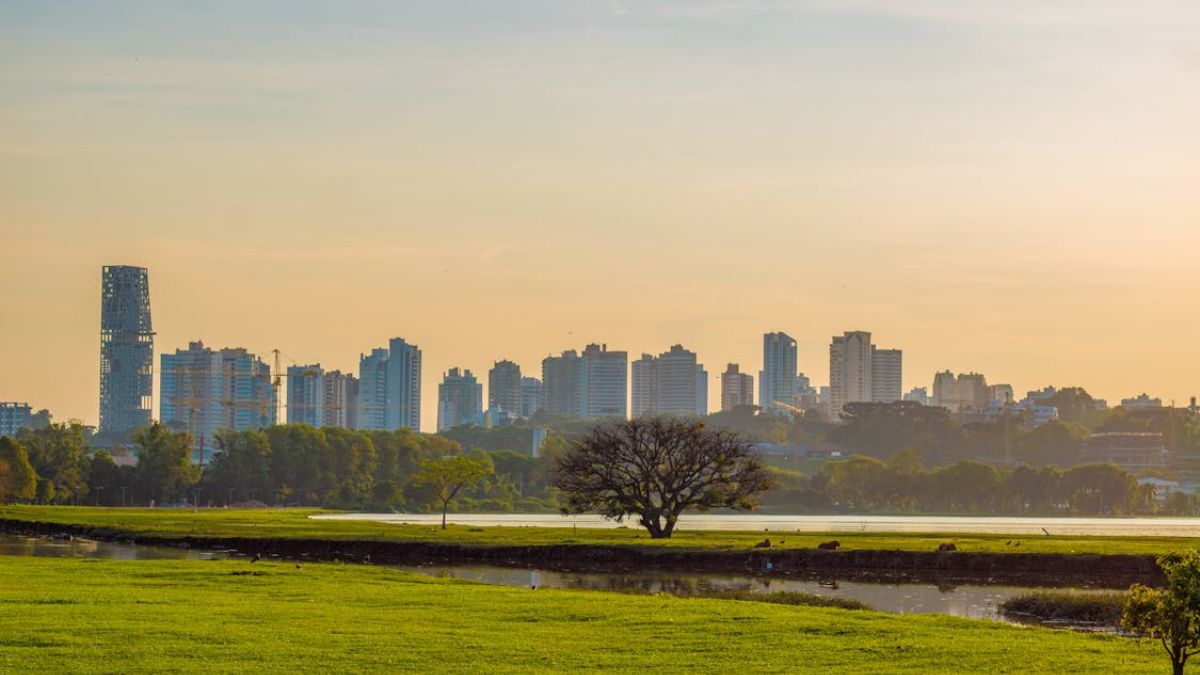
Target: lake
(1160, 527)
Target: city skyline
(711, 384)
(1003, 189)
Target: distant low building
(1141, 402)
(918, 395)
(1132, 451)
(1163, 489)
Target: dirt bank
(1048, 569)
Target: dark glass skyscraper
(126, 349)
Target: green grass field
(296, 523)
(93, 615)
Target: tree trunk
(668, 528)
(1178, 659)
(653, 526)
(445, 507)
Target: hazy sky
(1011, 187)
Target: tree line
(903, 483)
(399, 470)
(281, 465)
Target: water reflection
(966, 600)
(87, 548)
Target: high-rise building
(460, 400)
(607, 381)
(504, 388)
(671, 383)
(14, 417)
(531, 396)
(564, 385)
(886, 375)
(306, 395)
(372, 390)
(737, 388)
(321, 399)
(340, 394)
(126, 349)
(860, 372)
(964, 392)
(205, 390)
(389, 395)
(594, 384)
(850, 370)
(644, 386)
(945, 390)
(777, 379)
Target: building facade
(564, 384)
(389, 382)
(126, 349)
(671, 383)
(504, 388)
(887, 375)
(777, 379)
(966, 392)
(319, 398)
(860, 372)
(593, 384)
(306, 395)
(206, 390)
(1132, 451)
(531, 396)
(460, 400)
(607, 382)
(14, 417)
(340, 394)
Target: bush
(1065, 606)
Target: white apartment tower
(777, 379)
(671, 383)
(859, 372)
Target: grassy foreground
(295, 523)
(94, 615)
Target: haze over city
(1006, 190)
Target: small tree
(1171, 614)
(657, 468)
(18, 481)
(447, 476)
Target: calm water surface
(44, 547)
(966, 600)
(1159, 527)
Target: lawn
(95, 615)
(169, 523)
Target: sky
(1002, 187)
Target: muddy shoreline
(1033, 569)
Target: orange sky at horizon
(1008, 191)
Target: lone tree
(448, 476)
(1171, 614)
(656, 468)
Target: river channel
(978, 601)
